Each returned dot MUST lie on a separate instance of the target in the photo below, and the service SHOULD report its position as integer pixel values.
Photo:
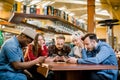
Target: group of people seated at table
(87, 50)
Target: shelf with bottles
(17, 18)
(56, 26)
(24, 11)
(48, 29)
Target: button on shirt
(10, 52)
(102, 54)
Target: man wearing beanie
(12, 62)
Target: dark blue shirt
(102, 54)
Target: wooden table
(67, 71)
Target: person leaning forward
(97, 52)
(59, 50)
(12, 63)
(76, 50)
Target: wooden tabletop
(62, 66)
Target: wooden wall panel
(101, 33)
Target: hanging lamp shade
(6, 7)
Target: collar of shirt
(98, 44)
(16, 41)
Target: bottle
(52, 11)
(59, 13)
(66, 16)
(19, 5)
(37, 10)
(28, 9)
(41, 10)
(55, 12)
(15, 7)
(33, 9)
(45, 10)
(49, 10)
(24, 8)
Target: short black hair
(92, 36)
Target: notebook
(43, 69)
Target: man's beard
(59, 48)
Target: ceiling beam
(102, 16)
(73, 2)
(76, 2)
(112, 11)
(77, 9)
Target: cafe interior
(101, 17)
